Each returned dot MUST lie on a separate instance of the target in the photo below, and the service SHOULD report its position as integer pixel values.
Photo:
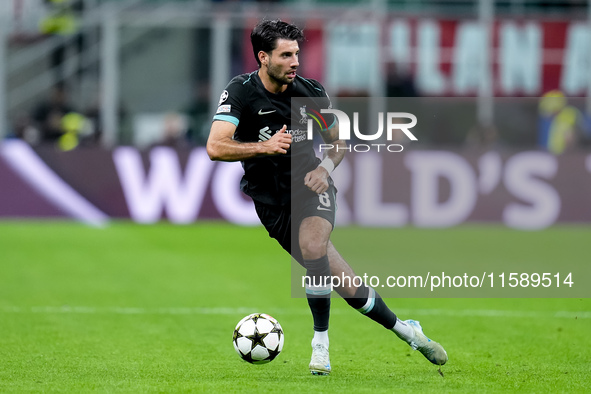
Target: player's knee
(313, 248)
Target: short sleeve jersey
(258, 114)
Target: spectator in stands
(198, 115)
(561, 126)
(400, 83)
(47, 116)
(174, 133)
(23, 129)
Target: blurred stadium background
(500, 85)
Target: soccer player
(290, 186)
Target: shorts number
(324, 199)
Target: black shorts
(279, 220)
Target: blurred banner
(527, 58)
(423, 188)
(445, 56)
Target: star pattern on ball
(257, 337)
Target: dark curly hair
(265, 34)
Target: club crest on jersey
(304, 115)
(223, 97)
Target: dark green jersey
(258, 114)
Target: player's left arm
(317, 179)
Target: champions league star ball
(258, 338)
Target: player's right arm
(223, 147)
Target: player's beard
(275, 73)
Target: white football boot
(433, 351)
(320, 363)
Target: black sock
(318, 291)
(369, 302)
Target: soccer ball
(258, 338)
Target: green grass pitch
(152, 308)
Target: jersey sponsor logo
(265, 112)
(223, 97)
(321, 208)
(264, 134)
(298, 135)
(224, 108)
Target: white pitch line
(246, 310)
